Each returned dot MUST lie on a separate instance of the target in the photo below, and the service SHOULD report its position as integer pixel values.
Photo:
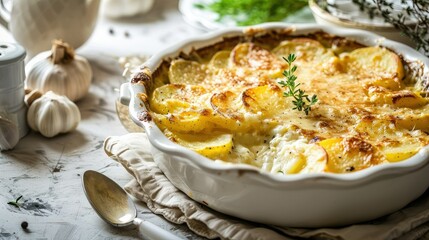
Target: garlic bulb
(9, 134)
(125, 8)
(52, 114)
(31, 23)
(60, 71)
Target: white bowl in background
(300, 200)
(348, 15)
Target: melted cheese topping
(366, 115)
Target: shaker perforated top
(10, 53)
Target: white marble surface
(47, 172)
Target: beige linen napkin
(152, 187)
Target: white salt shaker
(12, 92)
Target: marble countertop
(47, 171)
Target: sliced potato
(386, 134)
(388, 83)
(187, 72)
(305, 49)
(185, 122)
(288, 156)
(239, 54)
(375, 128)
(413, 121)
(203, 121)
(313, 158)
(400, 99)
(220, 59)
(408, 99)
(295, 165)
(266, 100)
(238, 78)
(214, 146)
(374, 62)
(173, 98)
(401, 152)
(253, 56)
(317, 159)
(350, 154)
(232, 114)
(227, 104)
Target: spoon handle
(151, 231)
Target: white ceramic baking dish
(301, 200)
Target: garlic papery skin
(60, 71)
(52, 114)
(9, 134)
(31, 96)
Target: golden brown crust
(367, 114)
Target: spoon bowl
(114, 206)
(109, 200)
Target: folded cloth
(152, 187)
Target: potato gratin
(225, 103)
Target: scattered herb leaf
(15, 203)
(301, 100)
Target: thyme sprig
(401, 14)
(302, 101)
(15, 203)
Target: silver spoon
(114, 206)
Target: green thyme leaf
(15, 203)
(301, 100)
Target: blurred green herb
(249, 12)
(301, 100)
(15, 203)
(411, 17)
